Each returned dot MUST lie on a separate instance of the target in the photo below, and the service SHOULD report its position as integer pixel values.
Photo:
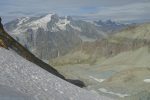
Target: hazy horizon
(116, 10)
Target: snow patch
(62, 23)
(96, 79)
(113, 93)
(147, 80)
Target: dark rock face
(54, 19)
(30, 38)
(54, 43)
(76, 82)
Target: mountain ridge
(59, 35)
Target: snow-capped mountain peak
(50, 22)
(42, 22)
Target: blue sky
(117, 10)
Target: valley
(117, 66)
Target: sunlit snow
(113, 93)
(147, 80)
(96, 79)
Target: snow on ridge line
(34, 24)
(42, 22)
(22, 20)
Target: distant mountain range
(110, 26)
(50, 36)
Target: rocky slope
(30, 82)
